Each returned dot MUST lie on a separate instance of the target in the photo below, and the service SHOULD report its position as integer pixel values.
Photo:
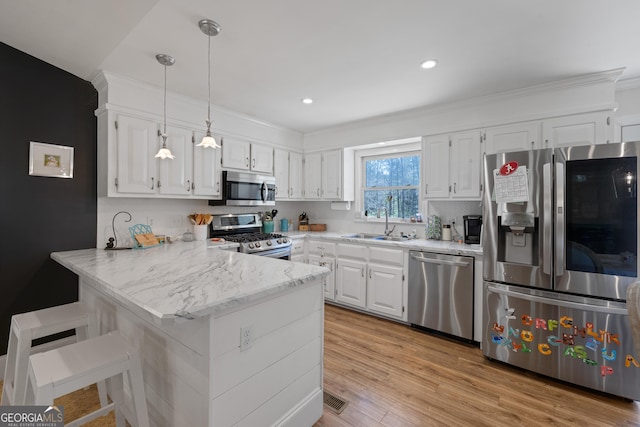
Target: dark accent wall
(40, 215)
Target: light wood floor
(393, 375)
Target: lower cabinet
(371, 278)
(330, 280)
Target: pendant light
(210, 28)
(164, 152)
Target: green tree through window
(397, 175)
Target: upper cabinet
(133, 143)
(516, 137)
(243, 155)
(579, 129)
(287, 169)
(329, 175)
(451, 166)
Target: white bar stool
(60, 371)
(26, 327)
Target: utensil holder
(200, 232)
(267, 226)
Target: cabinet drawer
(321, 247)
(297, 246)
(352, 251)
(386, 255)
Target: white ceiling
(356, 58)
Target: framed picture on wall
(50, 160)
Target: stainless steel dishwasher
(441, 293)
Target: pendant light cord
(165, 106)
(209, 83)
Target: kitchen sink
(373, 236)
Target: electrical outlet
(246, 337)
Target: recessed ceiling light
(429, 63)
(307, 101)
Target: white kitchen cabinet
(298, 250)
(516, 137)
(452, 166)
(281, 173)
(371, 277)
(579, 129)
(243, 155)
(323, 253)
(136, 146)
(207, 174)
(312, 176)
(176, 175)
(287, 169)
(351, 282)
(329, 175)
(296, 185)
(330, 281)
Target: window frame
(400, 150)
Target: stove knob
(279, 240)
(250, 245)
(285, 240)
(269, 243)
(257, 244)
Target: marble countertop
(439, 246)
(186, 279)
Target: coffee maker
(472, 229)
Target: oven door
(280, 253)
(596, 216)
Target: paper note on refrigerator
(511, 188)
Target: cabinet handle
(246, 161)
(426, 189)
(338, 190)
(291, 192)
(218, 184)
(253, 164)
(318, 192)
(362, 271)
(370, 274)
(153, 183)
(454, 188)
(193, 185)
(276, 190)
(188, 185)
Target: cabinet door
(351, 282)
(518, 137)
(332, 175)
(436, 166)
(176, 174)
(465, 165)
(330, 280)
(262, 159)
(580, 129)
(137, 145)
(281, 173)
(295, 176)
(312, 175)
(384, 289)
(236, 154)
(206, 170)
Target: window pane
(404, 202)
(393, 172)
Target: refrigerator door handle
(559, 219)
(439, 261)
(557, 302)
(547, 222)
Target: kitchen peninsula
(226, 338)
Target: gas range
(245, 229)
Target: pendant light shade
(164, 152)
(210, 28)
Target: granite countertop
(186, 279)
(446, 247)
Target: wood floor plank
(422, 379)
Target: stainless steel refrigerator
(560, 247)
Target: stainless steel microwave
(246, 189)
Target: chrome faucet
(387, 232)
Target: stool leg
(22, 368)
(137, 390)
(90, 331)
(10, 368)
(117, 391)
(43, 395)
